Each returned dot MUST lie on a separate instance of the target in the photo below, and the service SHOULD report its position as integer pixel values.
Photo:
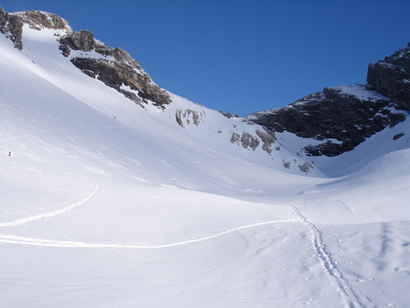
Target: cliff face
(116, 68)
(12, 27)
(344, 117)
(391, 77)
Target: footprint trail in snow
(348, 295)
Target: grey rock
(268, 138)
(334, 114)
(11, 26)
(187, 115)
(228, 114)
(83, 40)
(249, 141)
(397, 136)
(391, 77)
(305, 167)
(116, 69)
(235, 138)
(331, 114)
(286, 164)
(42, 20)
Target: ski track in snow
(23, 136)
(13, 239)
(346, 292)
(23, 221)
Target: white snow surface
(136, 211)
(362, 93)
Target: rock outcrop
(391, 77)
(42, 20)
(11, 26)
(116, 68)
(344, 117)
(187, 116)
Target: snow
(136, 211)
(89, 54)
(362, 93)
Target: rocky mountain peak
(11, 24)
(113, 66)
(391, 77)
(42, 20)
(341, 118)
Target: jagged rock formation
(188, 115)
(42, 20)
(391, 77)
(117, 69)
(249, 141)
(228, 114)
(11, 26)
(340, 117)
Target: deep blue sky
(242, 56)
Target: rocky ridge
(39, 20)
(343, 117)
(116, 68)
(11, 26)
(391, 77)
(113, 66)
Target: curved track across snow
(23, 221)
(13, 239)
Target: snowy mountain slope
(105, 203)
(211, 127)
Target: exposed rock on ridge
(187, 116)
(42, 20)
(340, 117)
(116, 68)
(11, 26)
(391, 77)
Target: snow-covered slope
(107, 204)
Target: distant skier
(9, 153)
